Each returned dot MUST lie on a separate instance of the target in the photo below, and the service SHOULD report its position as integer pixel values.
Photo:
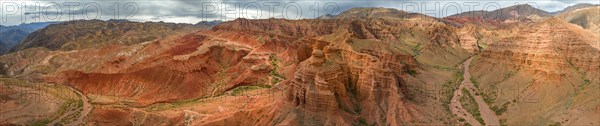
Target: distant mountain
(326, 16)
(27, 27)
(587, 18)
(118, 20)
(81, 34)
(522, 12)
(574, 7)
(209, 23)
(3, 46)
(12, 35)
(10, 38)
(377, 13)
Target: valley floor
(483, 112)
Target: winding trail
(488, 116)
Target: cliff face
(549, 49)
(354, 71)
(338, 71)
(340, 80)
(544, 64)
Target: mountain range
(12, 35)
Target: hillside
(81, 34)
(586, 17)
(549, 65)
(516, 13)
(12, 35)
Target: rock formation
(365, 66)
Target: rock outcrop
(546, 64)
(548, 50)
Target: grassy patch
(412, 72)
(241, 89)
(475, 83)
(41, 122)
(362, 121)
(445, 68)
(554, 124)
(500, 110)
(274, 73)
(185, 102)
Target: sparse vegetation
(241, 89)
(223, 80)
(468, 102)
(449, 87)
(500, 110)
(185, 102)
(475, 83)
(412, 72)
(274, 72)
(554, 124)
(490, 95)
(41, 122)
(362, 121)
(503, 122)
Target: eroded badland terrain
(365, 66)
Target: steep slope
(358, 74)
(194, 66)
(551, 65)
(73, 35)
(587, 18)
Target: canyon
(364, 66)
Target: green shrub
(412, 72)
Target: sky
(14, 12)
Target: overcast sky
(14, 12)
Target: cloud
(189, 11)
